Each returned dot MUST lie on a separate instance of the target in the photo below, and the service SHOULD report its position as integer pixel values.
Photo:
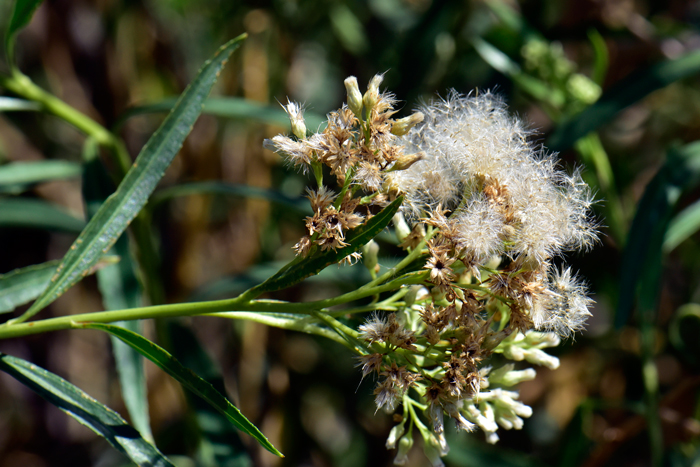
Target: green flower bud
(405, 445)
(370, 252)
(404, 125)
(371, 97)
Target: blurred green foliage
(611, 85)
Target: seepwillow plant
(481, 213)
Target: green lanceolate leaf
(230, 107)
(15, 177)
(685, 224)
(187, 378)
(315, 263)
(21, 15)
(10, 104)
(38, 214)
(220, 444)
(641, 262)
(24, 285)
(96, 416)
(300, 205)
(623, 94)
(119, 209)
(120, 289)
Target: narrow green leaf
(685, 224)
(36, 213)
(10, 104)
(299, 205)
(120, 290)
(314, 264)
(187, 378)
(220, 444)
(601, 58)
(641, 262)
(230, 107)
(15, 177)
(119, 209)
(623, 94)
(348, 28)
(494, 57)
(24, 285)
(21, 15)
(86, 410)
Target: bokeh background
(550, 59)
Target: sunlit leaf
(187, 378)
(119, 209)
(96, 416)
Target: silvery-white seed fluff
(471, 142)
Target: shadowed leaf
(96, 416)
(641, 262)
(623, 94)
(21, 15)
(38, 214)
(24, 285)
(187, 378)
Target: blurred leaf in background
(612, 85)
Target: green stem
(301, 325)
(22, 85)
(240, 303)
(412, 256)
(25, 87)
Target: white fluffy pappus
(468, 140)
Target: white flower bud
(371, 97)
(513, 352)
(354, 96)
(492, 438)
(296, 118)
(505, 376)
(539, 357)
(404, 125)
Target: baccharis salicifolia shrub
(485, 211)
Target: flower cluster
(490, 212)
(360, 145)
